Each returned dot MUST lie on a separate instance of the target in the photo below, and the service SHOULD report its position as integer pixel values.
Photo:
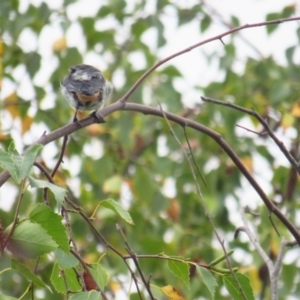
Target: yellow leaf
(2, 136)
(95, 129)
(60, 179)
(115, 286)
(287, 120)
(174, 209)
(60, 44)
(254, 279)
(296, 110)
(113, 184)
(26, 123)
(1, 48)
(247, 161)
(10, 105)
(171, 293)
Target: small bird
(85, 88)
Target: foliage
(124, 208)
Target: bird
(86, 89)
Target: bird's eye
(72, 70)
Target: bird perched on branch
(85, 88)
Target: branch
(253, 113)
(68, 129)
(192, 47)
(273, 269)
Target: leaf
(118, 209)
(59, 193)
(271, 17)
(52, 223)
(65, 260)
(209, 280)
(180, 270)
(58, 281)
(171, 293)
(17, 165)
(30, 240)
(27, 274)
(99, 275)
(24, 163)
(7, 163)
(233, 288)
(296, 110)
(113, 184)
(205, 23)
(93, 295)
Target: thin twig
(16, 217)
(253, 113)
(133, 257)
(193, 158)
(204, 205)
(188, 49)
(273, 269)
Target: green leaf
(171, 71)
(205, 23)
(209, 280)
(65, 260)
(99, 275)
(118, 209)
(233, 288)
(24, 163)
(270, 17)
(17, 165)
(27, 274)
(30, 240)
(93, 295)
(113, 184)
(59, 193)
(52, 223)
(7, 163)
(180, 270)
(235, 21)
(58, 281)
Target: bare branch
(253, 113)
(192, 47)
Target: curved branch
(119, 105)
(192, 47)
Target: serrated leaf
(180, 270)
(52, 223)
(99, 275)
(58, 281)
(65, 260)
(59, 193)
(27, 274)
(209, 280)
(93, 295)
(233, 288)
(117, 208)
(24, 163)
(171, 293)
(7, 163)
(30, 240)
